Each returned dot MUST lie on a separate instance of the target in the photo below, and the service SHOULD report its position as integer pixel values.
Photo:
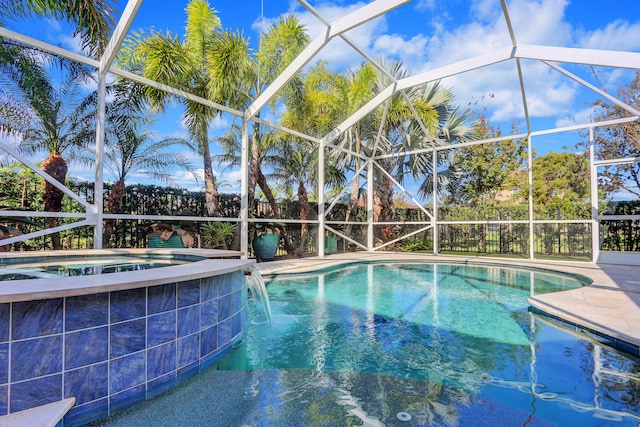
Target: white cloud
(540, 22)
(72, 43)
(585, 115)
(337, 53)
(617, 35)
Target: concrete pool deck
(610, 305)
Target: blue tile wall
(36, 357)
(208, 341)
(162, 298)
(188, 350)
(86, 347)
(4, 363)
(86, 311)
(161, 360)
(188, 320)
(209, 288)
(236, 301)
(188, 293)
(4, 322)
(87, 384)
(224, 332)
(208, 313)
(80, 415)
(4, 400)
(127, 398)
(127, 305)
(161, 328)
(113, 350)
(224, 307)
(128, 337)
(36, 318)
(127, 372)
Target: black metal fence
(558, 239)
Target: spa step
(46, 415)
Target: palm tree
(209, 63)
(94, 19)
(278, 47)
(314, 113)
(130, 148)
(47, 119)
(422, 118)
(358, 87)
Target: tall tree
(282, 42)
(93, 19)
(620, 141)
(357, 88)
(209, 62)
(561, 177)
(130, 147)
(484, 170)
(46, 118)
(424, 117)
(313, 111)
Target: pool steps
(48, 415)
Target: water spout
(259, 290)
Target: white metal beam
(507, 18)
(118, 35)
(602, 93)
(426, 77)
(12, 35)
(605, 58)
(341, 25)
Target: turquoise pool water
(407, 345)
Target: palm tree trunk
(355, 192)
(303, 199)
(114, 205)
(383, 210)
(353, 204)
(264, 186)
(211, 192)
(55, 166)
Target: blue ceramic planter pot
(265, 246)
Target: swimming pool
(410, 344)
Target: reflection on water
(465, 328)
(450, 345)
(315, 398)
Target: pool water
(49, 267)
(408, 345)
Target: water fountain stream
(259, 290)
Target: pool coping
(607, 310)
(214, 262)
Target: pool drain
(404, 416)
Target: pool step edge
(46, 415)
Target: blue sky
(427, 34)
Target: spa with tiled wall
(114, 349)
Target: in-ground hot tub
(67, 329)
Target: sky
(425, 35)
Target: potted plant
(266, 239)
(218, 235)
(7, 230)
(330, 243)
